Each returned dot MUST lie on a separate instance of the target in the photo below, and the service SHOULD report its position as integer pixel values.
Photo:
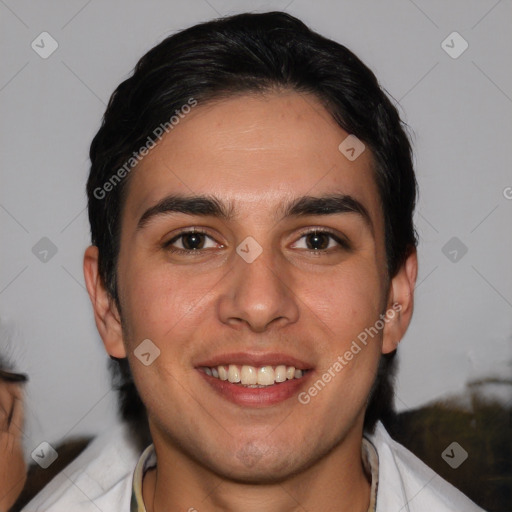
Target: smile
(252, 376)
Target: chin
(257, 463)
(258, 471)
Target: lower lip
(257, 397)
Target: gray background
(459, 111)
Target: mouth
(255, 380)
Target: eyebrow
(209, 206)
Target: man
(252, 270)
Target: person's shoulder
(406, 483)
(99, 478)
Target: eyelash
(343, 243)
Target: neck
(336, 482)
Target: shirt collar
(371, 466)
(148, 460)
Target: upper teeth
(250, 375)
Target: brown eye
(193, 241)
(317, 241)
(189, 242)
(322, 241)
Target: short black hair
(244, 54)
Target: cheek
(159, 299)
(348, 300)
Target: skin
(12, 463)
(257, 151)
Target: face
(268, 288)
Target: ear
(106, 315)
(400, 303)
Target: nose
(258, 295)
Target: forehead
(253, 151)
